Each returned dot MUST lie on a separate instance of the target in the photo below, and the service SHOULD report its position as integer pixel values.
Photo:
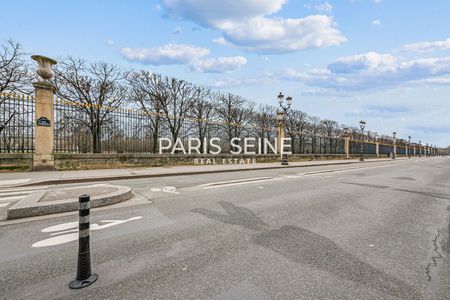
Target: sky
(383, 61)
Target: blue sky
(384, 61)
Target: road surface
(364, 231)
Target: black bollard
(84, 276)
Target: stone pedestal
(280, 132)
(346, 136)
(347, 146)
(44, 126)
(377, 149)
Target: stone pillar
(346, 136)
(377, 149)
(44, 92)
(280, 132)
(414, 150)
(394, 155)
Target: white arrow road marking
(61, 227)
(73, 236)
(166, 189)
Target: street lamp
(362, 125)
(281, 118)
(394, 134)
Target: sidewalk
(63, 177)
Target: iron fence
(16, 123)
(81, 128)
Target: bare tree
(177, 107)
(329, 128)
(149, 90)
(98, 87)
(235, 113)
(295, 127)
(264, 120)
(14, 78)
(313, 128)
(203, 112)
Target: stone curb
(143, 176)
(31, 207)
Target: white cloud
(247, 24)
(377, 23)
(373, 71)
(272, 36)
(169, 54)
(377, 1)
(208, 13)
(322, 7)
(427, 46)
(110, 42)
(219, 65)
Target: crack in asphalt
(428, 194)
(375, 186)
(434, 258)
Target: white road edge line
(234, 181)
(14, 181)
(12, 198)
(239, 183)
(18, 189)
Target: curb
(143, 176)
(31, 207)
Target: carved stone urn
(45, 67)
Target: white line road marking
(72, 227)
(236, 182)
(233, 181)
(15, 181)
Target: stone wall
(16, 161)
(83, 161)
(63, 161)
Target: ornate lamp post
(394, 153)
(409, 146)
(362, 125)
(281, 120)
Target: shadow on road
(306, 247)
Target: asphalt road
(363, 231)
